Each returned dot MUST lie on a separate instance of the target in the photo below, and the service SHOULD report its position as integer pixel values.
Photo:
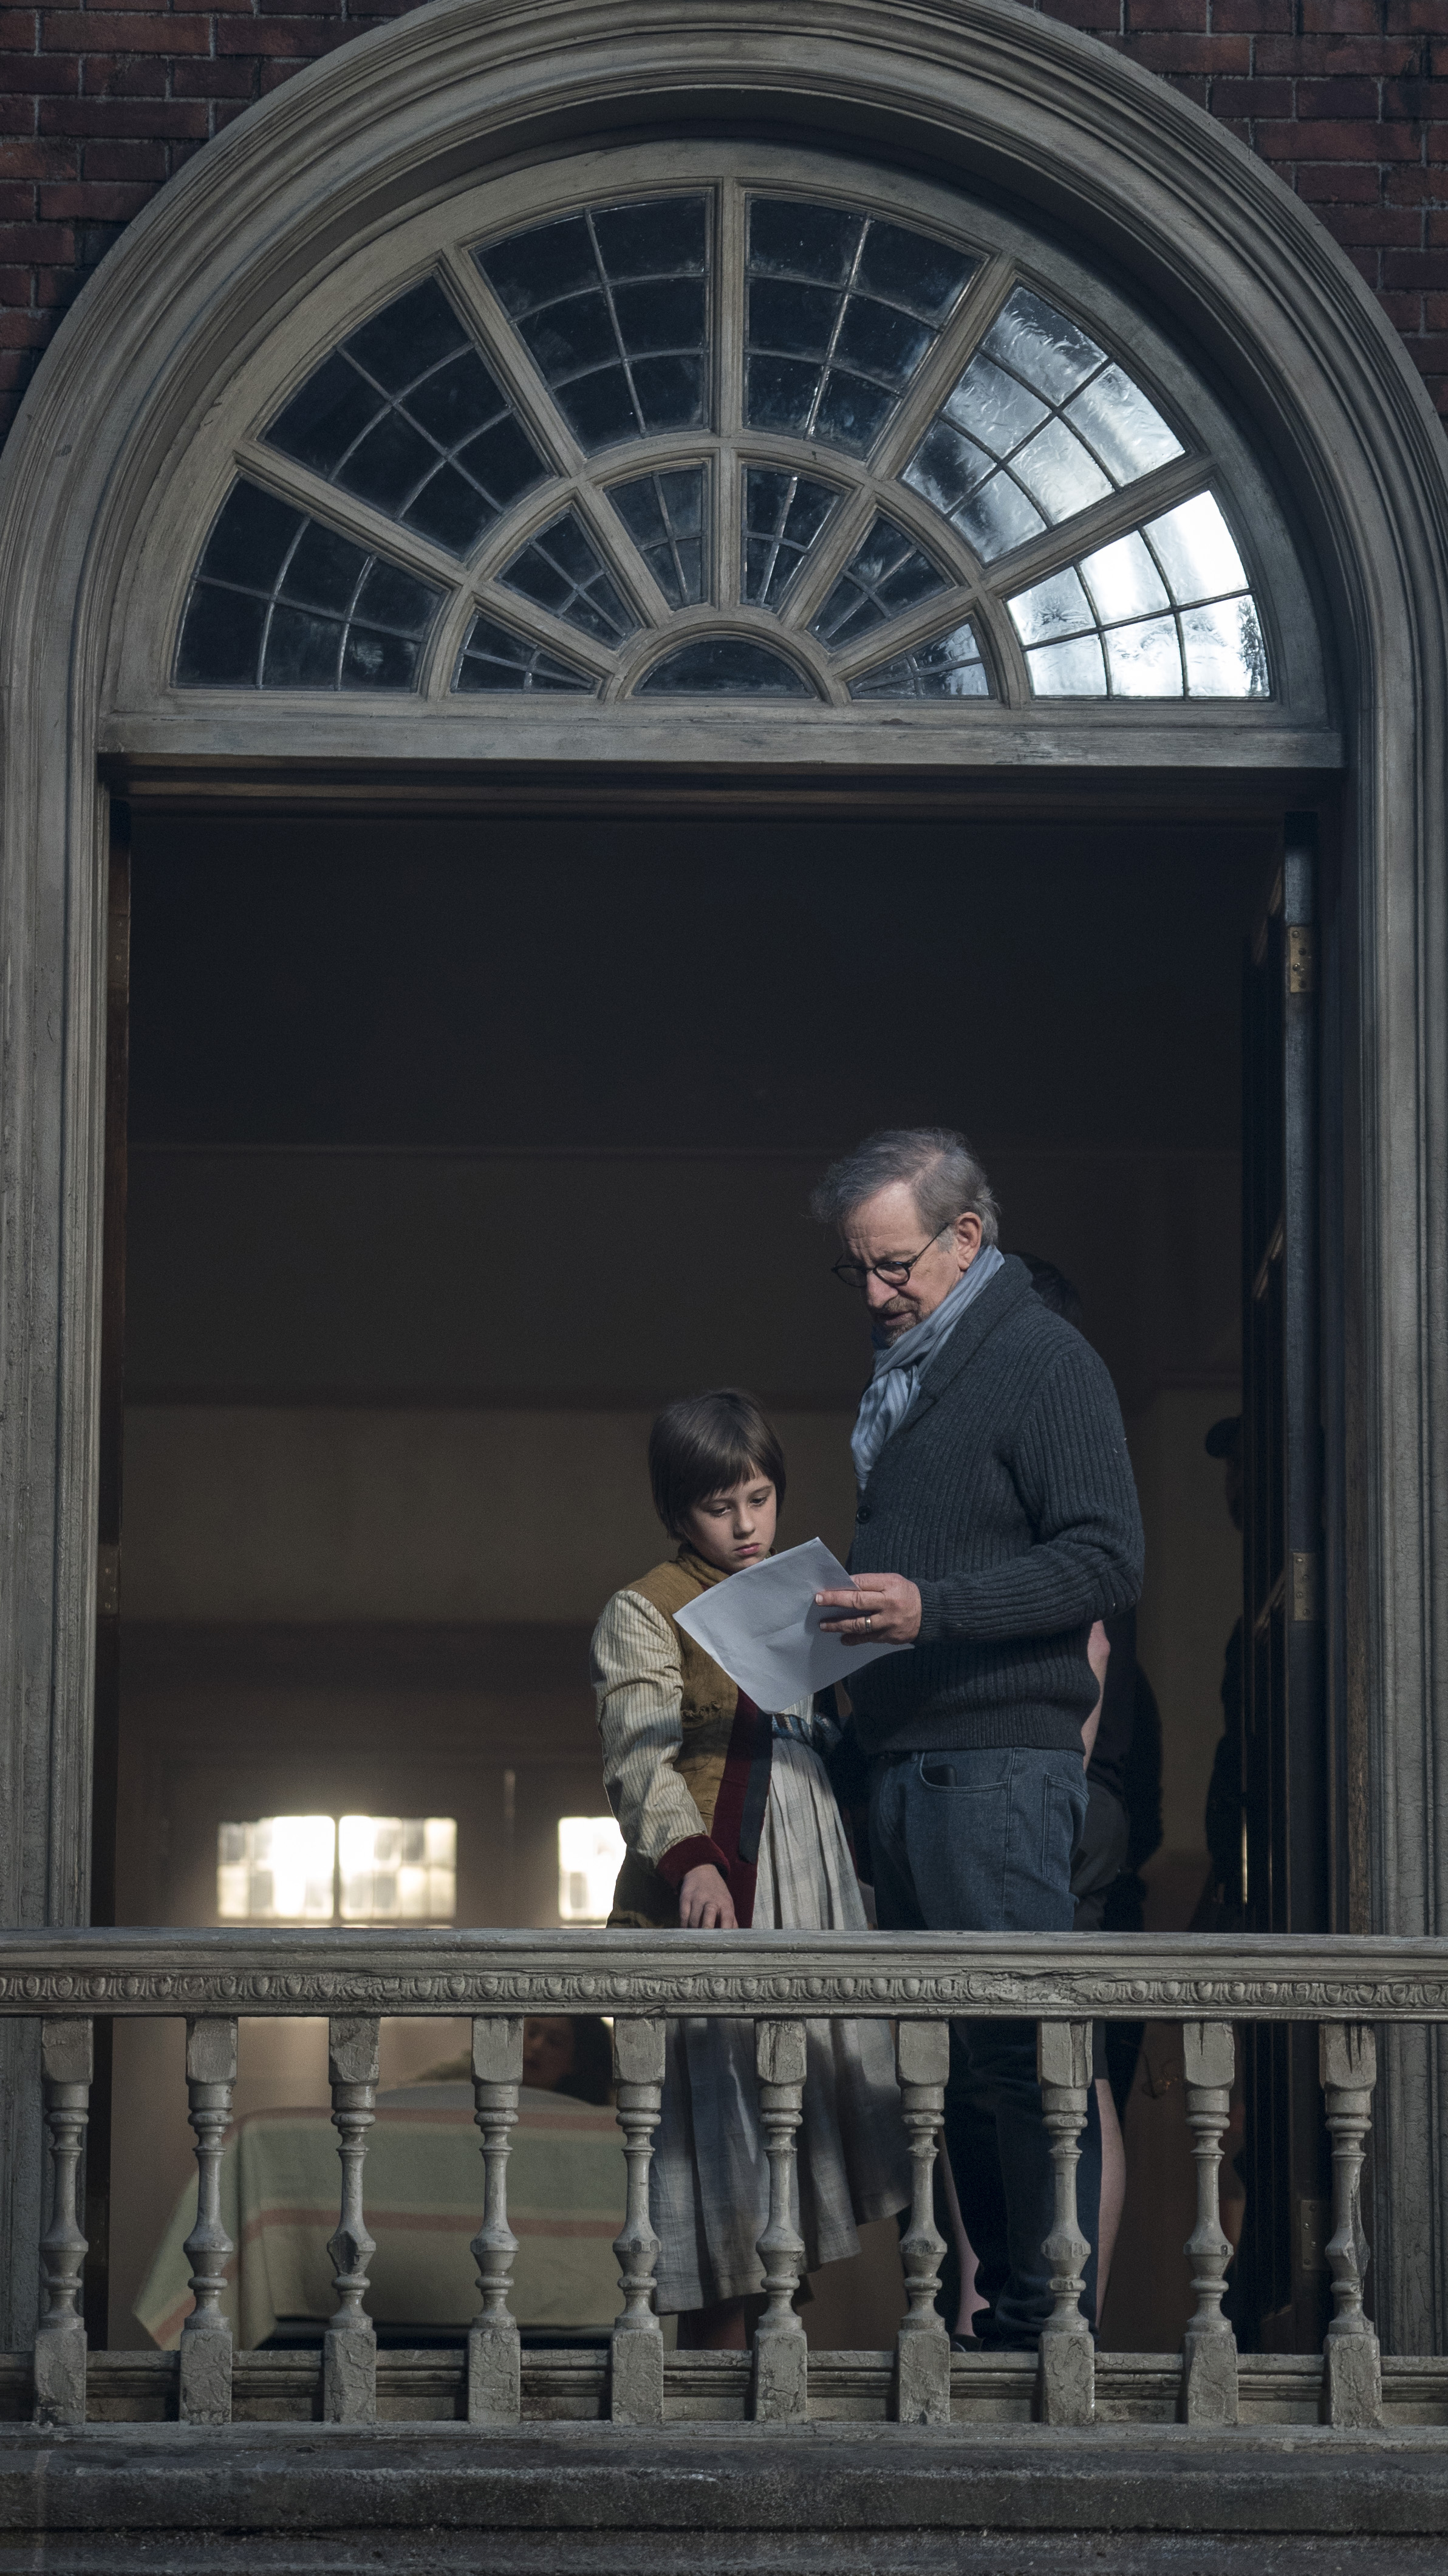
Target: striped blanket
(423, 2179)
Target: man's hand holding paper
(765, 1626)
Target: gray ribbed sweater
(1007, 1496)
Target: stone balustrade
(919, 1981)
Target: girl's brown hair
(706, 1444)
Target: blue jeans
(981, 1842)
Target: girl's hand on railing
(705, 1904)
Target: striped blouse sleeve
(638, 1682)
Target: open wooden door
(1281, 2290)
(107, 1719)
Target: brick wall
(1348, 100)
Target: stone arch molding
(980, 95)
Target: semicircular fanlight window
(494, 658)
(561, 570)
(842, 309)
(724, 666)
(664, 515)
(1040, 425)
(950, 666)
(1162, 613)
(407, 415)
(613, 306)
(279, 601)
(888, 573)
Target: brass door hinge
(1306, 1584)
(1301, 957)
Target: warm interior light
(590, 1855)
(287, 1869)
(398, 1869)
(276, 1870)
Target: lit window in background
(278, 1870)
(302, 1869)
(398, 1869)
(590, 1856)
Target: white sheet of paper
(763, 1627)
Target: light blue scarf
(898, 1366)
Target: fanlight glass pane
(1142, 598)
(398, 1869)
(494, 658)
(841, 309)
(783, 515)
(950, 667)
(613, 305)
(888, 573)
(1040, 425)
(560, 569)
(664, 515)
(279, 601)
(407, 415)
(724, 666)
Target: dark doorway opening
(457, 1146)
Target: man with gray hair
(997, 1521)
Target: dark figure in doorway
(997, 1522)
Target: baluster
(636, 2363)
(494, 2367)
(1066, 2379)
(922, 2361)
(1208, 2393)
(349, 2352)
(66, 2065)
(205, 2385)
(781, 2355)
(1352, 2370)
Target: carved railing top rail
(1042, 1976)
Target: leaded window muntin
(722, 455)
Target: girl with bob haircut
(730, 1824)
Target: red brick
(1421, 268)
(33, 73)
(1414, 17)
(82, 203)
(138, 161)
(92, 31)
(212, 80)
(1436, 230)
(1252, 17)
(113, 116)
(1101, 16)
(15, 285)
(1435, 312)
(28, 158)
(1385, 226)
(1251, 98)
(25, 330)
(17, 368)
(266, 36)
(1366, 264)
(1429, 351)
(36, 242)
(225, 113)
(1187, 15)
(1415, 98)
(1339, 182)
(1334, 98)
(129, 76)
(1340, 17)
(1326, 140)
(1405, 312)
(1157, 51)
(1410, 186)
(274, 73)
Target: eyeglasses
(894, 1273)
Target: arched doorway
(1206, 457)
